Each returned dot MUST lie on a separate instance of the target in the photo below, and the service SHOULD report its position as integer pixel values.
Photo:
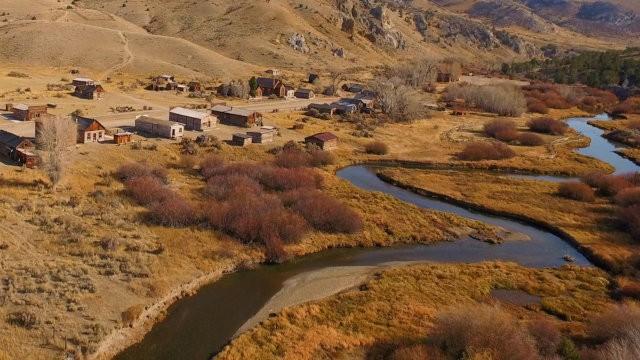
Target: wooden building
(192, 119)
(89, 92)
(194, 86)
(261, 136)
(305, 94)
(324, 140)
(162, 128)
(163, 83)
(18, 149)
(89, 130)
(236, 117)
(82, 81)
(271, 86)
(122, 138)
(240, 139)
(449, 72)
(28, 112)
(313, 78)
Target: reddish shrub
(415, 352)
(292, 159)
(507, 135)
(147, 190)
(288, 226)
(537, 106)
(497, 126)
(627, 197)
(210, 165)
(576, 191)
(131, 171)
(547, 125)
(482, 150)
(615, 322)
(280, 179)
(222, 187)
(547, 337)
(529, 139)
(612, 184)
(593, 179)
(377, 148)
(629, 218)
(630, 290)
(321, 158)
(274, 250)
(323, 212)
(629, 106)
(174, 211)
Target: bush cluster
(292, 156)
(502, 99)
(376, 148)
(547, 125)
(483, 150)
(577, 191)
(501, 129)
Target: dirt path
(127, 59)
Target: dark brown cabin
(324, 140)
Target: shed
(28, 112)
(194, 86)
(240, 139)
(122, 138)
(163, 128)
(88, 92)
(305, 94)
(353, 87)
(271, 86)
(261, 136)
(237, 117)
(18, 149)
(313, 78)
(82, 81)
(192, 119)
(89, 130)
(324, 140)
(322, 108)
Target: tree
(53, 138)
(396, 99)
(253, 86)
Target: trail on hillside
(127, 59)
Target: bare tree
(54, 136)
(416, 73)
(399, 101)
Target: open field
(397, 306)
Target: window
(88, 136)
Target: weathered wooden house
(240, 139)
(236, 117)
(313, 78)
(194, 86)
(28, 112)
(324, 140)
(89, 130)
(449, 72)
(305, 94)
(18, 149)
(162, 128)
(192, 119)
(122, 138)
(89, 92)
(271, 86)
(163, 83)
(261, 136)
(353, 87)
(82, 81)
(322, 108)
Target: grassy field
(397, 306)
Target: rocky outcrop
(299, 43)
(370, 19)
(505, 13)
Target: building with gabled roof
(18, 149)
(236, 116)
(163, 128)
(323, 140)
(193, 120)
(89, 130)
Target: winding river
(198, 327)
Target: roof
(83, 79)
(189, 113)
(123, 133)
(84, 122)
(268, 83)
(241, 135)
(20, 106)
(323, 136)
(151, 120)
(232, 111)
(10, 139)
(221, 108)
(305, 91)
(260, 131)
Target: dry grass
(399, 305)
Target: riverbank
(398, 305)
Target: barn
(163, 128)
(192, 119)
(28, 112)
(304, 94)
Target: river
(198, 327)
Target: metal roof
(188, 113)
(323, 136)
(147, 119)
(10, 139)
(20, 106)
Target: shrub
(146, 190)
(377, 148)
(292, 159)
(131, 314)
(413, 352)
(131, 171)
(628, 197)
(629, 218)
(210, 165)
(223, 187)
(626, 347)
(279, 179)
(615, 322)
(577, 191)
(174, 211)
(496, 127)
(274, 250)
(610, 185)
(482, 150)
(547, 126)
(502, 99)
(537, 106)
(482, 329)
(529, 139)
(320, 157)
(23, 319)
(547, 337)
(323, 212)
